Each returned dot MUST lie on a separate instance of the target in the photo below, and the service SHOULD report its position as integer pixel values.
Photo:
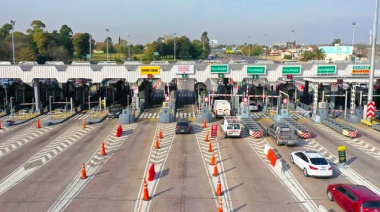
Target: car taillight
(176, 127)
(330, 168)
(188, 127)
(281, 138)
(313, 168)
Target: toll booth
(127, 116)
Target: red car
(355, 198)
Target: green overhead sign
(216, 69)
(291, 70)
(326, 69)
(252, 70)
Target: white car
(312, 163)
(253, 106)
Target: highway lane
(40, 189)
(315, 187)
(252, 185)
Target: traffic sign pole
(373, 50)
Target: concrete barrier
(278, 167)
(322, 209)
(266, 149)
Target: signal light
(289, 76)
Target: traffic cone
(205, 123)
(207, 139)
(215, 171)
(156, 144)
(160, 134)
(38, 123)
(151, 173)
(103, 149)
(210, 146)
(0, 125)
(83, 175)
(212, 159)
(218, 189)
(220, 204)
(84, 123)
(146, 193)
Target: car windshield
(237, 126)
(182, 124)
(229, 127)
(319, 161)
(371, 204)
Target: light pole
(89, 106)
(107, 43)
(373, 51)
(353, 34)
(129, 49)
(12, 111)
(292, 43)
(249, 44)
(265, 44)
(90, 48)
(13, 42)
(50, 106)
(174, 44)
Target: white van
(221, 108)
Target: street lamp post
(107, 43)
(13, 42)
(353, 34)
(174, 44)
(249, 44)
(50, 106)
(292, 43)
(89, 106)
(12, 111)
(265, 44)
(90, 48)
(129, 49)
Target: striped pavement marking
(185, 115)
(259, 115)
(79, 116)
(158, 157)
(3, 129)
(345, 170)
(53, 149)
(95, 163)
(200, 134)
(147, 115)
(285, 177)
(358, 143)
(21, 139)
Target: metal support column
(315, 102)
(353, 95)
(36, 87)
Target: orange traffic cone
(38, 123)
(146, 193)
(220, 204)
(0, 125)
(212, 159)
(207, 139)
(210, 146)
(205, 123)
(218, 189)
(160, 134)
(103, 149)
(84, 175)
(156, 144)
(215, 171)
(84, 123)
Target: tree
(5, 30)
(26, 54)
(205, 43)
(111, 48)
(122, 47)
(196, 49)
(319, 54)
(335, 41)
(65, 39)
(148, 52)
(307, 55)
(81, 44)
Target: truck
(283, 134)
(221, 108)
(231, 127)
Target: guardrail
(340, 127)
(22, 115)
(253, 127)
(99, 114)
(298, 129)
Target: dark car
(115, 111)
(354, 197)
(183, 126)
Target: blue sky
(228, 21)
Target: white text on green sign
(251, 70)
(326, 70)
(291, 70)
(219, 69)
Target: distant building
(291, 45)
(337, 52)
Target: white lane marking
(200, 134)
(93, 165)
(287, 178)
(345, 170)
(38, 160)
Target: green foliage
(81, 45)
(335, 41)
(111, 48)
(288, 57)
(26, 54)
(5, 30)
(316, 54)
(205, 42)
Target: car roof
(182, 120)
(313, 154)
(361, 191)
